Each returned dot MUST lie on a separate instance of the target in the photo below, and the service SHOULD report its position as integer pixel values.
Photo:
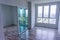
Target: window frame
(57, 18)
(44, 4)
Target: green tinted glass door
(22, 19)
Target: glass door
(46, 15)
(22, 20)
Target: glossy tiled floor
(39, 33)
(11, 33)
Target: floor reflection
(39, 33)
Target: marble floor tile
(39, 33)
(36, 33)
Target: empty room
(29, 19)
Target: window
(39, 20)
(45, 20)
(21, 11)
(53, 11)
(26, 13)
(46, 11)
(46, 14)
(52, 21)
(39, 11)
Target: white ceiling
(43, 0)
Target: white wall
(19, 3)
(15, 15)
(32, 15)
(59, 24)
(1, 24)
(7, 15)
(10, 15)
(59, 21)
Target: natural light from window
(46, 11)
(39, 11)
(53, 11)
(47, 14)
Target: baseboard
(10, 25)
(13, 25)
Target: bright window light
(39, 20)
(39, 11)
(53, 11)
(46, 11)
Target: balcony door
(22, 20)
(46, 15)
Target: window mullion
(49, 14)
(43, 12)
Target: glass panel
(25, 35)
(52, 21)
(39, 20)
(18, 12)
(26, 13)
(22, 19)
(46, 11)
(26, 18)
(23, 23)
(39, 11)
(53, 11)
(21, 12)
(45, 20)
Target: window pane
(39, 11)
(26, 13)
(46, 11)
(21, 12)
(53, 11)
(26, 17)
(45, 20)
(39, 20)
(52, 21)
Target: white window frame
(43, 24)
(48, 13)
